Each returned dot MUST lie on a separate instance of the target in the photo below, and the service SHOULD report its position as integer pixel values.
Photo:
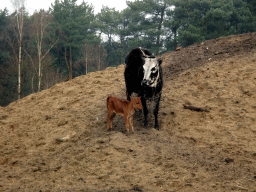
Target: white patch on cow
(155, 83)
(151, 65)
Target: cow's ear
(159, 61)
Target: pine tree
(3, 21)
(146, 25)
(4, 83)
(107, 24)
(73, 23)
(194, 21)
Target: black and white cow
(143, 75)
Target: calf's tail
(108, 101)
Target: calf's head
(151, 72)
(137, 103)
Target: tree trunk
(39, 56)
(175, 40)
(69, 64)
(65, 56)
(99, 61)
(39, 66)
(19, 8)
(160, 27)
(122, 50)
(86, 64)
(20, 29)
(39, 76)
(32, 84)
(19, 71)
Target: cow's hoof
(157, 127)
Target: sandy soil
(56, 140)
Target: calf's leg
(110, 117)
(108, 121)
(126, 121)
(131, 122)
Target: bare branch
(50, 49)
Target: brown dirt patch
(56, 140)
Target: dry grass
(56, 140)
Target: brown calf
(124, 108)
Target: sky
(32, 5)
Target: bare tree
(86, 50)
(94, 56)
(162, 9)
(53, 77)
(19, 8)
(69, 64)
(41, 22)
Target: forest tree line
(68, 40)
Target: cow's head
(151, 71)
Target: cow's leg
(128, 94)
(156, 109)
(145, 111)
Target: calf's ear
(159, 61)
